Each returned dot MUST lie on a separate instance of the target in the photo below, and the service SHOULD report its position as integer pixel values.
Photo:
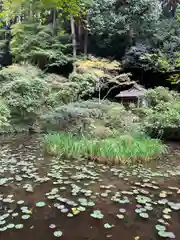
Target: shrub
(161, 94)
(111, 150)
(4, 115)
(164, 116)
(91, 117)
(26, 98)
(15, 71)
(84, 84)
(74, 117)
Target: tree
(116, 27)
(21, 7)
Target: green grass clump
(122, 149)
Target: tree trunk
(54, 21)
(73, 34)
(86, 36)
(30, 12)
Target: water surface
(29, 175)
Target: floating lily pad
(122, 210)
(25, 217)
(107, 225)
(166, 216)
(3, 229)
(167, 210)
(20, 202)
(97, 214)
(40, 204)
(19, 226)
(52, 226)
(10, 225)
(160, 227)
(2, 222)
(58, 233)
(166, 234)
(70, 215)
(120, 216)
(144, 215)
(82, 209)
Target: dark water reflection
(27, 174)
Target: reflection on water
(43, 197)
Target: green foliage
(84, 84)
(162, 117)
(174, 78)
(158, 61)
(16, 71)
(26, 98)
(92, 118)
(115, 27)
(122, 149)
(36, 44)
(4, 115)
(161, 94)
(73, 117)
(75, 7)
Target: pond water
(42, 197)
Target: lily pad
(97, 214)
(107, 225)
(10, 225)
(122, 210)
(25, 217)
(160, 227)
(19, 226)
(144, 215)
(52, 226)
(120, 216)
(166, 234)
(40, 204)
(58, 233)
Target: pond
(42, 197)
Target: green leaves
(37, 44)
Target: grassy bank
(122, 149)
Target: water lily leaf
(3, 229)
(166, 234)
(144, 215)
(40, 204)
(52, 226)
(166, 216)
(120, 216)
(160, 227)
(122, 210)
(75, 211)
(10, 225)
(20, 202)
(70, 215)
(107, 225)
(97, 214)
(58, 233)
(82, 209)
(19, 226)
(25, 217)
